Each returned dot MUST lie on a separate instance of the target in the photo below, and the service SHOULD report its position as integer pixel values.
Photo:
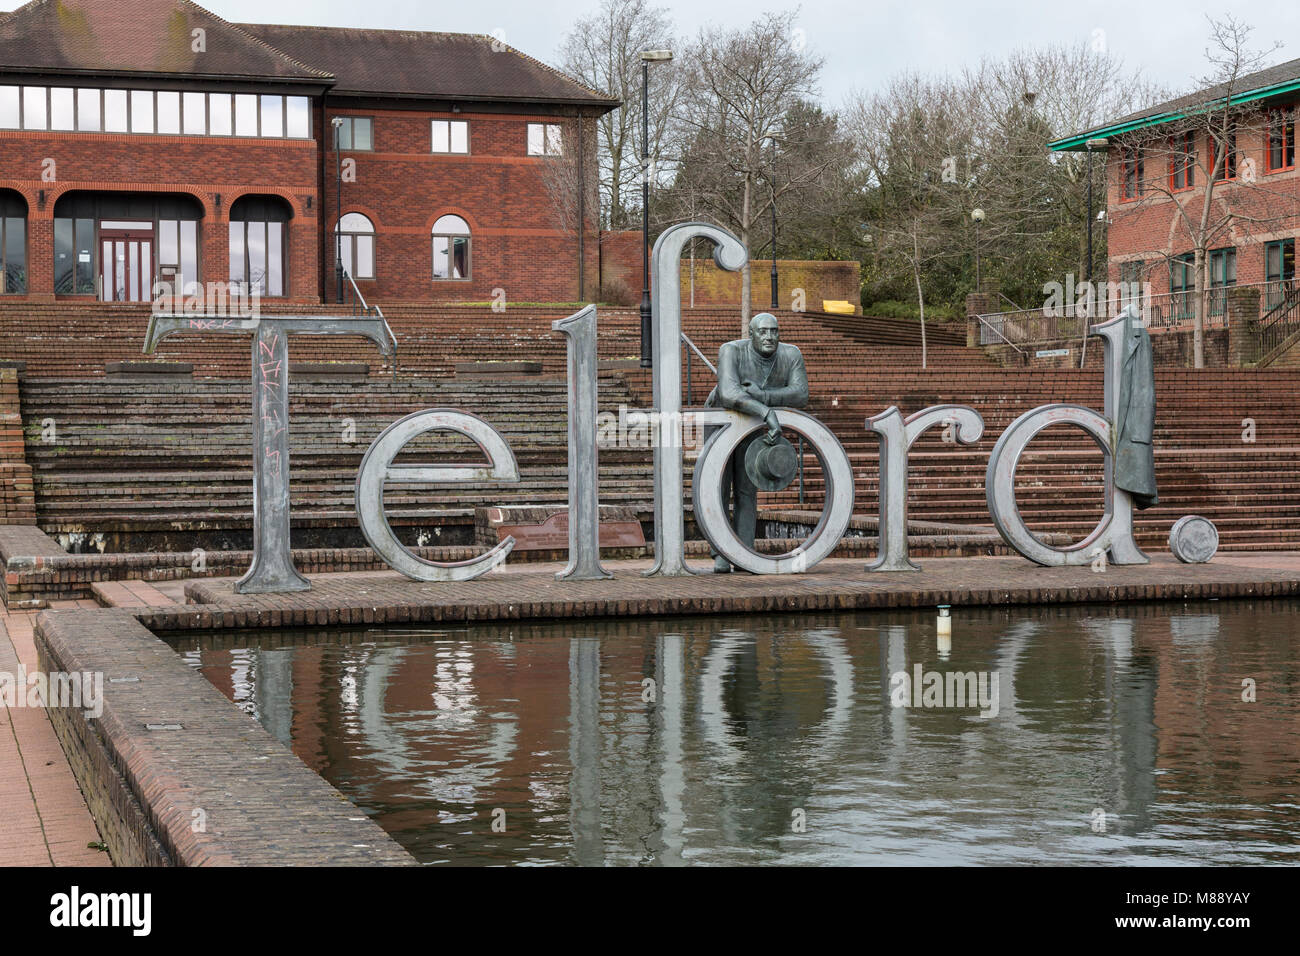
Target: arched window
(13, 242)
(357, 234)
(451, 248)
(258, 240)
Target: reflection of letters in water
(272, 568)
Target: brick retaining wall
(176, 774)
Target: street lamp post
(771, 183)
(647, 57)
(774, 280)
(977, 216)
(1090, 145)
(337, 123)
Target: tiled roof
(412, 63)
(158, 37)
(138, 36)
(1273, 76)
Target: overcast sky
(863, 43)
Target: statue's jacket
(784, 380)
(1135, 465)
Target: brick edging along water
(175, 774)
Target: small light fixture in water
(944, 630)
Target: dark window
(451, 248)
(1279, 271)
(356, 133)
(13, 244)
(1130, 277)
(1281, 140)
(258, 234)
(1182, 162)
(1223, 275)
(1182, 281)
(1223, 147)
(74, 256)
(1132, 175)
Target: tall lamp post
(337, 123)
(1091, 145)
(771, 183)
(977, 217)
(647, 57)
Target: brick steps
(153, 454)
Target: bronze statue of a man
(755, 375)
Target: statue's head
(764, 335)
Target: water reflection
(1118, 735)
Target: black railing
(1281, 321)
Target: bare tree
(984, 133)
(914, 137)
(737, 151)
(1186, 165)
(574, 197)
(604, 52)
(1037, 201)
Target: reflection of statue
(754, 376)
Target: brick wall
(519, 242)
(1152, 229)
(620, 273)
(198, 166)
(17, 498)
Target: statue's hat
(771, 466)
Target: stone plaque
(547, 528)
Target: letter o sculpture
(711, 510)
(1000, 484)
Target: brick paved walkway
(43, 817)
(531, 591)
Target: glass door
(126, 261)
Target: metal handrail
(1280, 322)
(1275, 312)
(998, 332)
(366, 309)
(371, 310)
(696, 349)
(1002, 295)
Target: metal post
(338, 216)
(688, 378)
(1089, 267)
(774, 282)
(800, 469)
(646, 361)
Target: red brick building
(146, 141)
(1241, 136)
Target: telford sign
(1124, 425)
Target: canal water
(1109, 735)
